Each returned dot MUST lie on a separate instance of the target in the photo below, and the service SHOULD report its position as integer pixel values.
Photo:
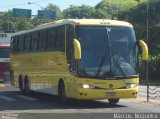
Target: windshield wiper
(104, 56)
(101, 64)
(112, 58)
(112, 55)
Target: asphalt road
(40, 106)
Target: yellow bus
(78, 58)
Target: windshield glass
(107, 52)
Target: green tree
(78, 12)
(84, 11)
(116, 7)
(56, 9)
(6, 21)
(138, 17)
(24, 25)
(101, 14)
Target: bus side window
(21, 43)
(30, 45)
(69, 47)
(60, 40)
(13, 44)
(34, 41)
(51, 39)
(42, 39)
(27, 42)
(17, 44)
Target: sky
(6, 5)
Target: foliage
(153, 68)
(8, 23)
(84, 11)
(138, 17)
(24, 25)
(100, 13)
(52, 7)
(116, 7)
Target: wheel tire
(27, 86)
(62, 92)
(113, 101)
(21, 86)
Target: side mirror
(77, 49)
(144, 48)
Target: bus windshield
(107, 52)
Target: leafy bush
(153, 69)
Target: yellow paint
(45, 69)
(104, 88)
(144, 50)
(77, 49)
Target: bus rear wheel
(27, 86)
(62, 92)
(21, 85)
(113, 101)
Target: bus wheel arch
(62, 91)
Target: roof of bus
(98, 22)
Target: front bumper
(84, 94)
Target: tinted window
(51, 44)
(21, 43)
(27, 42)
(53, 39)
(107, 52)
(60, 43)
(69, 47)
(17, 44)
(34, 41)
(42, 39)
(13, 43)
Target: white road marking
(7, 98)
(26, 97)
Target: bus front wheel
(113, 101)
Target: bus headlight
(131, 85)
(86, 86)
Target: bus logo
(110, 85)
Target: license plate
(110, 94)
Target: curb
(143, 100)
